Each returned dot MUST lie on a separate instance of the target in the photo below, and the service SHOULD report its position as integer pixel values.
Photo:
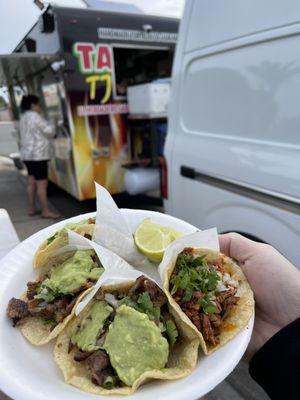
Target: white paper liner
(106, 257)
(110, 276)
(207, 239)
(117, 270)
(113, 232)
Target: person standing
(36, 136)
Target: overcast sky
(17, 16)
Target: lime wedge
(152, 239)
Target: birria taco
(124, 337)
(211, 294)
(50, 301)
(60, 239)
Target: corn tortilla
(239, 315)
(37, 330)
(182, 360)
(45, 250)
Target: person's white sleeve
(45, 128)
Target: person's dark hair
(27, 102)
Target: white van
(233, 143)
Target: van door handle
(187, 172)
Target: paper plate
(30, 373)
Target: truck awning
(15, 68)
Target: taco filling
(205, 292)
(54, 295)
(123, 335)
(72, 226)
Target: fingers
(237, 246)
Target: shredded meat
(16, 310)
(221, 296)
(31, 289)
(228, 304)
(207, 330)
(99, 366)
(209, 325)
(143, 284)
(218, 265)
(188, 250)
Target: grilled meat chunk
(99, 366)
(16, 310)
(143, 284)
(81, 355)
(31, 289)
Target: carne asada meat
(57, 310)
(144, 284)
(99, 366)
(31, 289)
(81, 355)
(17, 309)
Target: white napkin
(113, 232)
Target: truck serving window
(135, 65)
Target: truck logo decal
(95, 61)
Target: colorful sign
(96, 119)
(96, 61)
(102, 109)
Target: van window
(236, 19)
(251, 92)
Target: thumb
(237, 246)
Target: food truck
(80, 62)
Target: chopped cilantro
(208, 306)
(193, 274)
(127, 301)
(172, 331)
(145, 305)
(45, 292)
(51, 238)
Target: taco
(60, 239)
(49, 303)
(124, 337)
(211, 294)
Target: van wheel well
(248, 236)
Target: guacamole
(63, 232)
(135, 345)
(70, 275)
(86, 334)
